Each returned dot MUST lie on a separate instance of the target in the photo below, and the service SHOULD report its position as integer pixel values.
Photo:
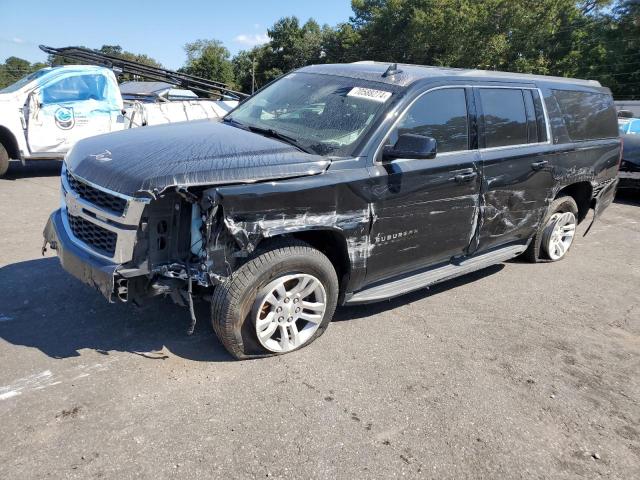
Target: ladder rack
(123, 66)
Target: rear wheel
(556, 232)
(277, 302)
(4, 160)
(558, 236)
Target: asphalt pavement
(516, 371)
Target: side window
(441, 114)
(634, 129)
(504, 117)
(587, 115)
(75, 89)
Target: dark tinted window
(587, 115)
(504, 117)
(441, 114)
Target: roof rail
(122, 66)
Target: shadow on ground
(43, 307)
(628, 197)
(362, 311)
(36, 168)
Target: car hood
(631, 148)
(150, 159)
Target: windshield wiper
(235, 123)
(269, 132)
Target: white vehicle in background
(45, 113)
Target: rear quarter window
(587, 115)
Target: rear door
(517, 173)
(425, 210)
(67, 110)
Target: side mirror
(410, 145)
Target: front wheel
(4, 160)
(279, 301)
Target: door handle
(465, 177)
(539, 165)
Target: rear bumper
(89, 269)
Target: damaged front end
(132, 248)
(140, 222)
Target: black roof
(373, 71)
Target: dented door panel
(517, 187)
(424, 212)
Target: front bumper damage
(89, 269)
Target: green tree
(597, 39)
(342, 44)
(294, 45)
(252, 66)
(209, 59)
(117, 51)
(14, 68)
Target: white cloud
(17, 40)
(251, 40)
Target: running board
(430, 277)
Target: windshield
(323, 114)
(23, 81)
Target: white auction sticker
(370, 94)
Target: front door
(67, 110)
(425, 211)
(516, 164)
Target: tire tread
(228, 295)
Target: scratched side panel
(514, 196)
(338, 200)
(423, 215)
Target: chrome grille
(97, 197)
(98, 238)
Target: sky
(157, 28)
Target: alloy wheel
(288, 311)
(559, 234)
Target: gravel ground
(517, 371)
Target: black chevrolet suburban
(336, 184)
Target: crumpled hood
(150, 159)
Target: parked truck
(45, 113)
(337, 184)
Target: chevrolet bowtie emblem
(102, 157)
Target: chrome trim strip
(106, 190)
(130, 216)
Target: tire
(241, 305)
(540, 246)
(4, 160)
